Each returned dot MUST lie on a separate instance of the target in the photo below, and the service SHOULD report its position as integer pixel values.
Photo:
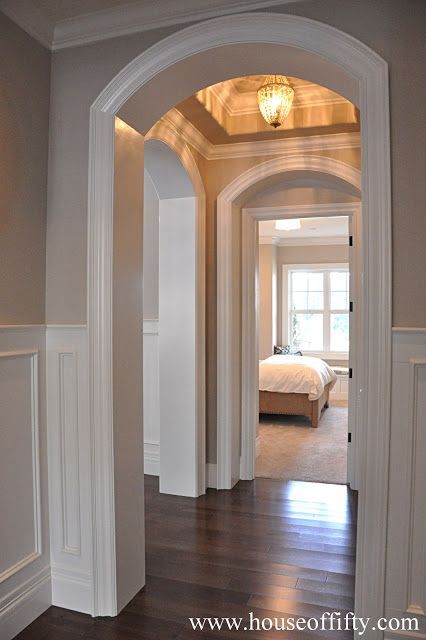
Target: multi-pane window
(318, 308)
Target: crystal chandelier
(275, 98)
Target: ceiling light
(275, 98)
(287, 225)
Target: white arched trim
(166, 133)
(355, 71)
(226, 397)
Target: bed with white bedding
(295, 385)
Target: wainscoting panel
(69, 467)
(151, 397)
(25, 590)
(406, 553)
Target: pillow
(286, 350)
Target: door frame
(250, 329)
(359, 69)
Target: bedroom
(304, 337)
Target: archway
(311, 50)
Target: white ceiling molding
(280, 146)
(144, 16)
(119, 21)
(27, 16)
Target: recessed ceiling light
(287, 225)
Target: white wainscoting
(406, 552)
(69, 467)
(25, 589)
(151, 397)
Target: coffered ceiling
(228, 112)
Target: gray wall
(150, 249)
(388, 26)
(24, 121)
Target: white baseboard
(211, 475)
(24, 604)
(71, 590)
(152, 458)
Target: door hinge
(350, 372)
(351, 306)
(351, 241)
(349, 436)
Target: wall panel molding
(32, 356)
(69, 467)
(25, 585)
(151, 396)
(406, 553)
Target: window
(318, 307)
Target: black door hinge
(351, 241)
(351, 306)
(349, 436)
(350, 372)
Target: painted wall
(25, 580)
(267, 299)
(150, 249)
(128, 357)
(78, 75)
(24, 121)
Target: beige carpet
(290, 449)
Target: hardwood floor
(278, 549)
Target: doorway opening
(310, 50)
(305, 297)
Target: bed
(295, 385)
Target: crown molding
(154, 14)
(26, 15)
(281, 146)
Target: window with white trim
(318, 308)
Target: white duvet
(295, 374)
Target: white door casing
(363, 77)
(249, 333)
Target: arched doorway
(179, 65)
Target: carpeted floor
(290, 449)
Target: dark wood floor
(279, 549)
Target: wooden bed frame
(294, 404)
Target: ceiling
(228, 112)
(311, 228)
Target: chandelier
(275, 98)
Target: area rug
(290, 449)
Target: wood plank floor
(278, 549)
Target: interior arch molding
(327, 56)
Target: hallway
(274, 548)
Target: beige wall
(267, 299)
(309, 254)
(24, 119)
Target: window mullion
(326, 317)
